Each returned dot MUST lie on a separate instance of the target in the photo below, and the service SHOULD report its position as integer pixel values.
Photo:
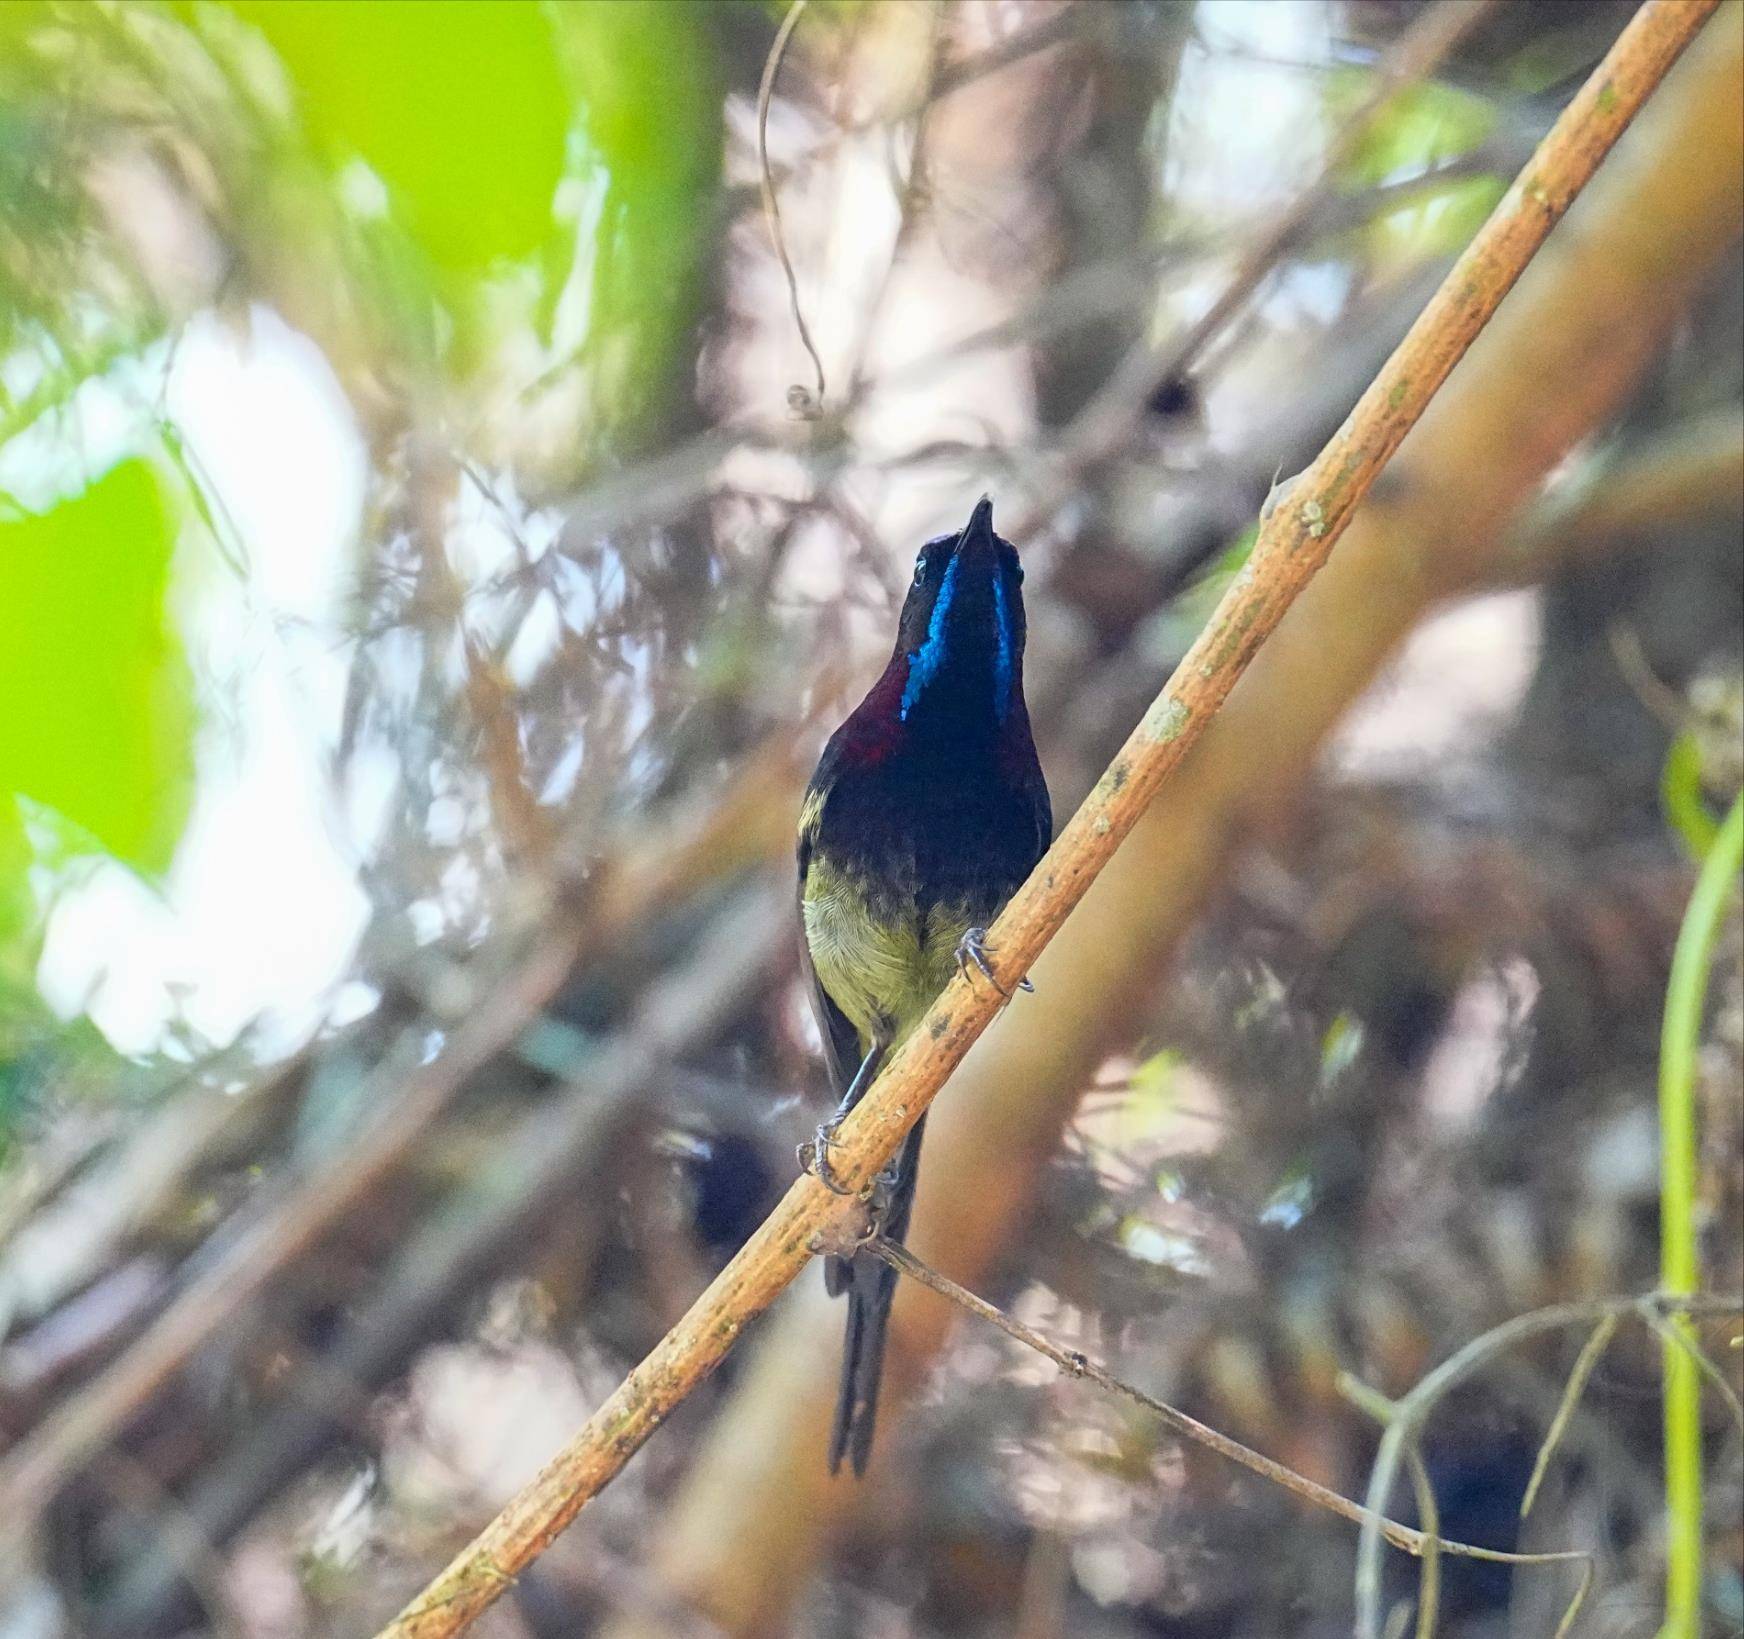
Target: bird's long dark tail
(871, 1287)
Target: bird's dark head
(959, 645)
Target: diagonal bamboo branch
(1294, 541)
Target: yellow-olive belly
(881, 959)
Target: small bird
(927, 811)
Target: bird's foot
(846, 1235)
(878, 1197)
(871, 1233)
(973, 948)
(814, 1157)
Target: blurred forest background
(427, 573)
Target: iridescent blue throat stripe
(1002, 656)
(924, 662)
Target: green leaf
(459, 108)
(98, 717)
(1152, 1095)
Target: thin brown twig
(1644, 682)
(1589, 1572)
(108, 1201)
(1543, 377)
(1585, 1363)
(1074, 1361)
(1020, 43)
(561, 1146)
(771, 206)
(1293, 542)
(910, 188)
(36, 1468)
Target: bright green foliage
(1154, 1084)
(96, 732)
(460, 108)
(1152, 1096)
(1179, 621)
(98, 714)
(1453, 213)
(651, 119)
(473, 113)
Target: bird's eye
(919, 568)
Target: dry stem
(1402, 1537)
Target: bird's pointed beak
(980, 525)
